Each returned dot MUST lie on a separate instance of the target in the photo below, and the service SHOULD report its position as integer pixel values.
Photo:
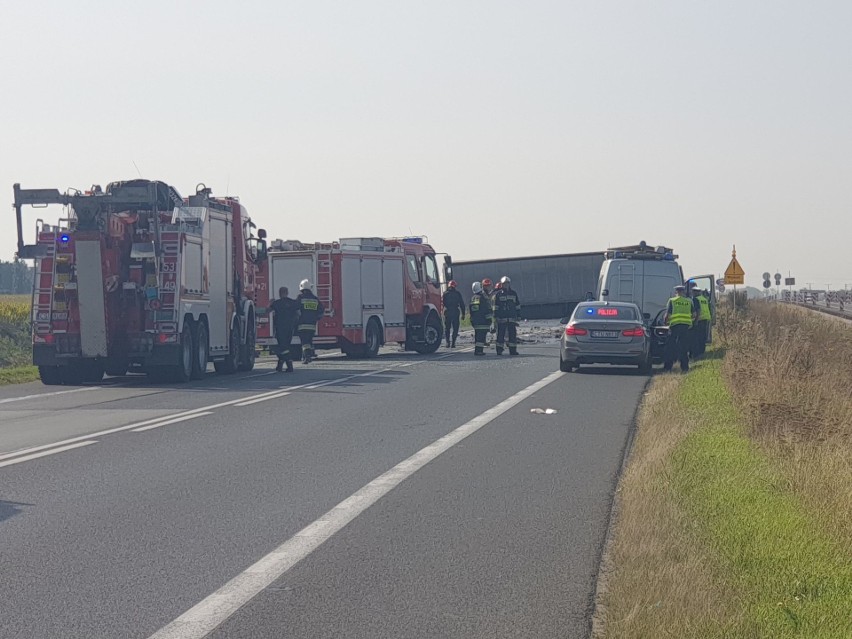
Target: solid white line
(40, 395)
(205, 616)
(263, 399)
(172, 421)
(46, 453)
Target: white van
(645, 275)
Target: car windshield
(598, 312)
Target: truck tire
(200, 350)
(433, 331)
(181, 372)
(228, 365)
(91, 372)
(51, 375)
(247, 352)
(373, 338)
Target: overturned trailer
(549, 285)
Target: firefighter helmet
(451, 283)
(305, 285)
(498, 286)
(505, 280)
(477, 288)
(486, 282)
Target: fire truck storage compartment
(90, 296)
(289, 271)
(220, 284)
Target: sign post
(734, 274)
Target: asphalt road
(125, 505)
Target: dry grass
(790, 372)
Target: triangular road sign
(734, 274)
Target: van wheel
(201, 350)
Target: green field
(15, 341)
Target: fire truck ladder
(324, 287)
(42, 311)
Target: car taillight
(633, 332)
(573, 330)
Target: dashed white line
(172, 421)
(204, 617)
(263, 399)
(45, 453)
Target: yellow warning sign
(734, 274)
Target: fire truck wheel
(182, 371)
(431, 335)
(373, 338)
(201, 350)
(91, 372)
(229, 364)
(50, 375)
(247, 353)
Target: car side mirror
(605, 292)
(564, 320)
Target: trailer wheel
(432, 332)
(201, 350)
(228, 365)
(50, 375)
(373, 338)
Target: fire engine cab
(375, 291)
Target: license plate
(604, 333)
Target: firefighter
(310, 311)
(702, 322)
(286, 311)
(453, 309)
(507, 314)
(680, 315)
(480, 317)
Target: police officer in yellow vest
(680, 316)
(702, 323)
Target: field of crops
(15, 331)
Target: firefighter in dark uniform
(680, 315)
(310, 311)
(480, 317)
(507, 313)
(453, 309)
(286, 311)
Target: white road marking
(45, 453)
(40, 395)
(172, 421)
(119, 429)
(263, 399)
(205, 616)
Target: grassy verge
(730, 523)
(18, 375)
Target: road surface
(404, 496)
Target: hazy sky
(495, 128)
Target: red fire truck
(375, 291)
(136, 275)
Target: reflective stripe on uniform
(682, 309)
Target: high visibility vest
(705, 308)
(681, 311)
